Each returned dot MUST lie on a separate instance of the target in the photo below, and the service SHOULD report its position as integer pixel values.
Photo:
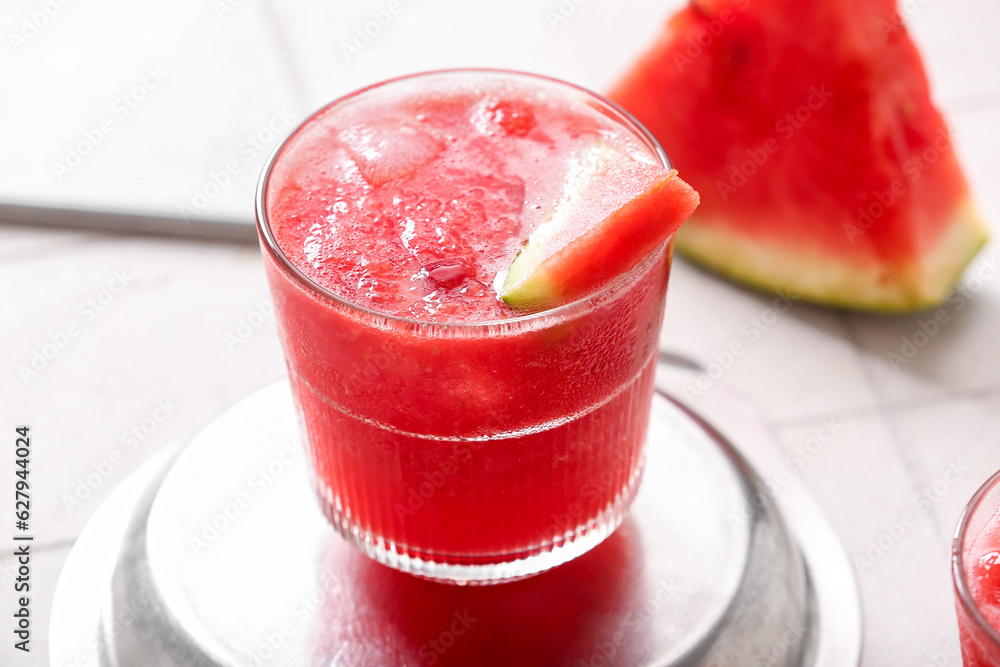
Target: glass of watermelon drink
(975, 558)
(451, 436)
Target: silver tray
(215, 553)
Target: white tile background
(229, 72)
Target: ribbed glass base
(464, 571)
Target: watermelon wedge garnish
(808, 129)
(612, 212)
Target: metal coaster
(220, 556)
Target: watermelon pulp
(823, 167)
(446, 433)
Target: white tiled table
(167, 337)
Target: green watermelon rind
(812, 276)
(552, 268)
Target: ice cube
(385, 152)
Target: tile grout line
(885, 409)
(890, 423)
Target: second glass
(976, 576)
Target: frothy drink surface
(411, 202)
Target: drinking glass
(472, 452)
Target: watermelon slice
(824, 168)
(612, 212)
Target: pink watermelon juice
(451, 436)
(976, 570)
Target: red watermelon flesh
(614, 211)
(808, 129)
